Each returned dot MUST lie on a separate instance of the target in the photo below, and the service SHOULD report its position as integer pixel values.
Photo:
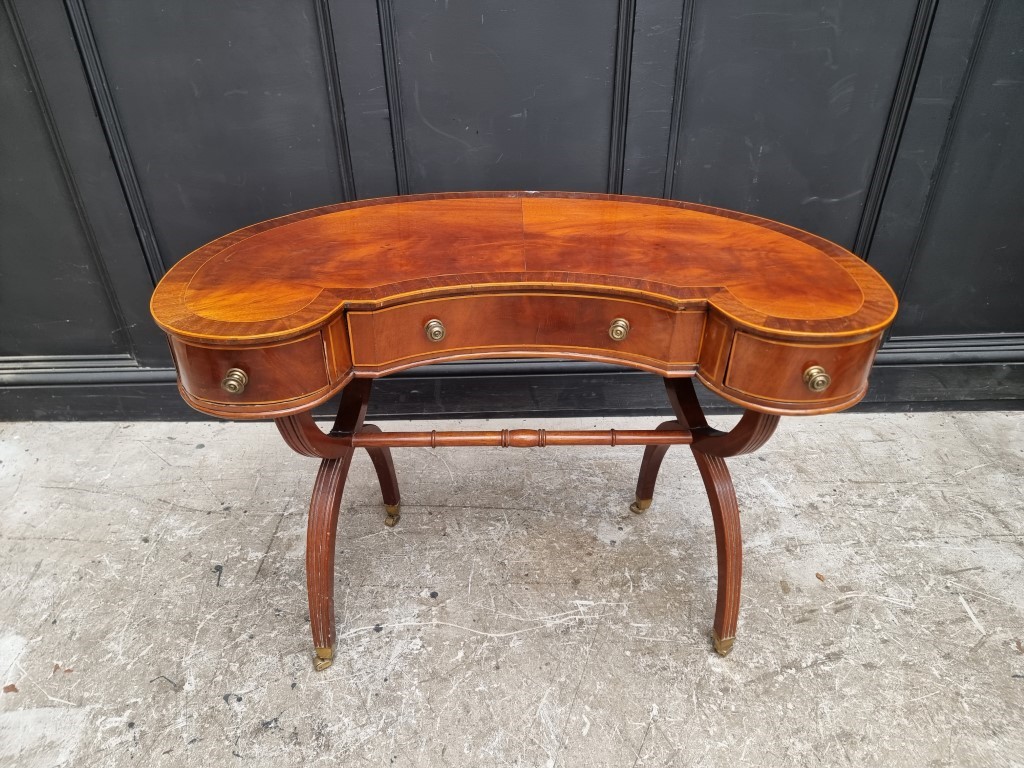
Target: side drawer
(774, 370)
(275, 373)
(523, 322)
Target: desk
(276, 318)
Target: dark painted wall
(970, 254)
(52, 294)
(134, 132)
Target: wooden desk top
(302, 274)
(281, 277)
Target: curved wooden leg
(321, 535)
(649, 466)
(726, 514)
(710, 447)
(302, 434)
(385, 467)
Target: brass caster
(324, 659)
(640, 506)
(722, 646)
(394, 514)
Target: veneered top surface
(283, 277)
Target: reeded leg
(710, 447)
(385, 466)
(302, 434)
(726, 514)
(321, 535)
(649, 466)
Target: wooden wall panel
(659, 48)
(359, 51)
(785, 104)
(939, 81)
(53, 297)
(498, 95)
(968, 269)
(225, 109)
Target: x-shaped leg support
(710, 447)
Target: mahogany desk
(274, 319)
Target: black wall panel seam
(944, 149)
(66, 172)
(389, 51)
(114, 131)
(329, 55)
(620, 94)
(676, 119)
(903, 97)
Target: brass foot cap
(394, 514)
(722, 645)
(324, 659)
(640, 505)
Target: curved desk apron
(274, 319)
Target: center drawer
(508, 323)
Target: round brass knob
(235, 381)
(434, 329)
(619, 329)
(816, 379)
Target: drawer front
(275, 373)
(774, 370)
(505, 323)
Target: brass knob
(434, 329)
(235, 381)
(816, 379)
(619, 329)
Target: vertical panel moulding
(114, 131)
(389, 51)
(620, 94)
(329, 55)
(676, 119)
(947, 140)
(903, 97)
(69, 180)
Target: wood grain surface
(744, 303)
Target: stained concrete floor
(152, 608)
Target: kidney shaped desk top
(304, 302)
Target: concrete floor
(152, 602)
